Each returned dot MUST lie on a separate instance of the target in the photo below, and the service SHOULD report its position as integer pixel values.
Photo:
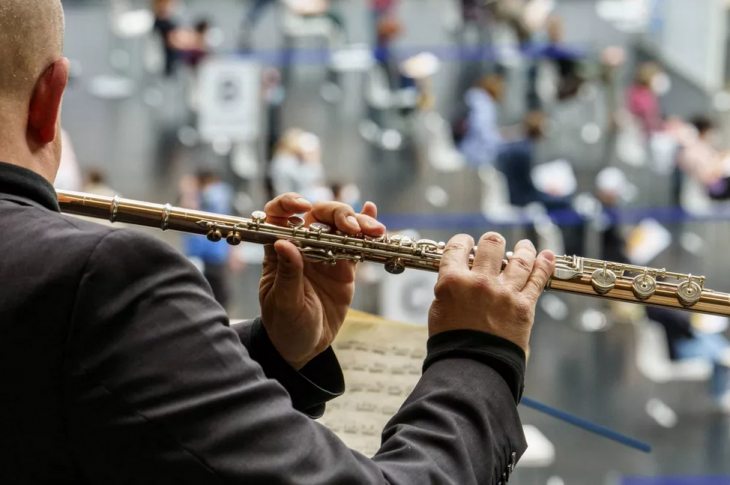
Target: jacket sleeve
(159, 390)
(320, 381)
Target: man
(118, 366)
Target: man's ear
(45, 105)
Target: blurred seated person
(516, 160)
(188, 45)
(565, 59)
(389, 28)
(297, 165)
(195, 47)
(165, 25)
(701, 160)
(205, 191)
(480, 136)
(687, 342)
(642, 100)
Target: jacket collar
(26, 184)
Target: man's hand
(486, 298)
(304, 303)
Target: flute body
(319, 242)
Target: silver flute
(319, 242)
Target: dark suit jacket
(118, 367)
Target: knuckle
(455, 246)
(505, 295)
(523, 309)
(521, 262)
(483, 284)
(448, 285)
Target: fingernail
(303, 201)
(550, 257)
(352, 220)
(373, 224)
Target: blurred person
(205, 191)
(382, 8)
(179, 44)
(565, 59)
(274, 95)
(297, 165)
(516, 160)
(686, 342)
(389, 28)
(478, 134)
(526, 18)
(699, 158)
(196, 47)
(683, 340)
(122, 368)
(642, 100)
(165, 26)
(612, 58)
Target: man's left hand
(304, 303)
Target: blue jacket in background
(481, 143)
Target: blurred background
(593, 127)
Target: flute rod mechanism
(319, 242)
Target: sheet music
(382, 362)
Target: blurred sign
(229, 100)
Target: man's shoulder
(91, 237)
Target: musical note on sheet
(382, 362)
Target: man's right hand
(485, 298)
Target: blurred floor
(590, 374)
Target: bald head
(31, 39)
(33, 77)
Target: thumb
(289, 285)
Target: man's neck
(14, 158)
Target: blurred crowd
(475, 137)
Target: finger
(455, 258)
(341, 216)
(370, 226)
(519, 268)
(289, 282)
(490, 254)
(281, 208)
(541, 273)
(370, 209)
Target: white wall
(693, 39)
